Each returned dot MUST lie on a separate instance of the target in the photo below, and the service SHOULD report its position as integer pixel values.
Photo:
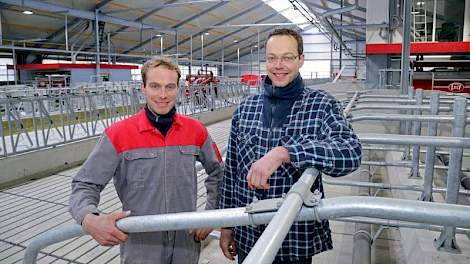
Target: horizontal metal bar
(398, 117)
(386, 186)
(399, 107)
(389, 139)
(395, 223)
(375, 207)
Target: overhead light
(28, 12)
(235, 41)
(158, 35)
(255, 46)
(206, 33)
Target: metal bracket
(447, 243)
(261, 206)
(313, 199)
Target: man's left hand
(263, 168)
(200, 234)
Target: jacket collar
(290, 91)
(145, 125)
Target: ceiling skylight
(286, 9)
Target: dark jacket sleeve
(231, 167)
(91, 179)
(336, 151)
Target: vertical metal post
(202, 51)
(434, 21)
(259, 60)
(151, 44)
(446, 241)
(1, 34)
(430, 151)
(416, 148)
(251, 60)
(405, 49)
(66, 33)
(466, 22)
(238, 62)
(190, 53)
(331, 56)
(15, 72)
(161, 46)
(97, 40)
(109, 47)
(176, 46)
(222, 59)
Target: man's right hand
(103, 228)
(227, 244)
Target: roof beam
(205, 11)
(236, 31)
(78, 13)
(327, 9)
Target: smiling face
(161, 89)
(282, 59)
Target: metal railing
(374, 207)
(34, 119)
(414, 106)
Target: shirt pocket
(186, 162)
(143, 168)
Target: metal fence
(33, 119)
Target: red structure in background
(250, 79)
(445, 75)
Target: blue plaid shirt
(316, 135)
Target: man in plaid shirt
(274, 137)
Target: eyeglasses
(284, 59)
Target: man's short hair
(289, 32)
(159, 62)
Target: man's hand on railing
(103, 228)
(201, 233)
(227, 243)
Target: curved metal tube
(348, 206)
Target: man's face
(161, 89)
(282, 60)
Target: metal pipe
(347, 109)
(415, 153)
(430, 153)
(66, 34)
(452, 142)
(97, 41)
(394, 223)
(399, 107)
(362, 238)
(405, 48)
(387, 186)
(265, 249)
(375, 207)
(398, 117)
(446, 240)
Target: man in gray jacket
(151, 159)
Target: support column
(222, 59)
(405, 50)
(466, 21)
(176, 46)
(190, 53)
(1, 35)
(446, 241)
(97, 40)
(66, 33)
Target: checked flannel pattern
(316, 135)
